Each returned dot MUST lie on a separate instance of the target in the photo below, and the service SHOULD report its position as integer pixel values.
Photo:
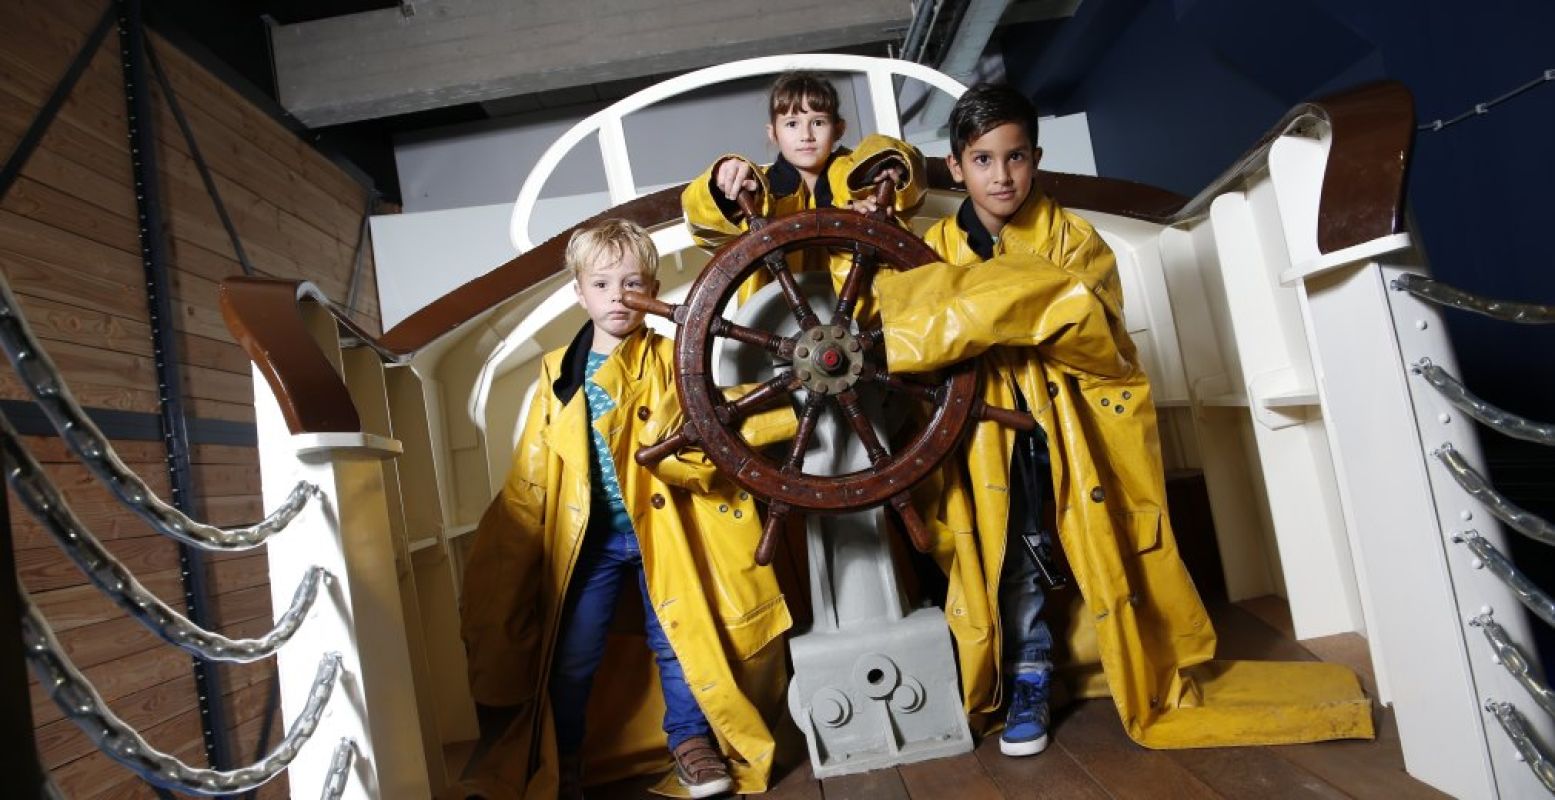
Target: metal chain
(37, 492)
(1525, 522)
(92, 448)
(1444, 295)
(1517, 730)
(82, 705)
(1527, 593)
(1509, 655)
(339, 770)
(1462, 399)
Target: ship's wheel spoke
(637, 301)
(896, 383)
(803, 313)
(768, 393)
(684, 436)
(858, 283)
(1008, 417)
(811, 414)
(912, 523)
(771, 531)
(779, 346)
(854, 411)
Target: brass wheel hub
(828, 359)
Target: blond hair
(609, 240)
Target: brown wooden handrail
(1372, 127)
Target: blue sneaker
(1025, 724)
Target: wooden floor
(1091, 756)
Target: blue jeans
(608, 560)
(1028, 644)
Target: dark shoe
(700, 768)
(570, 783)
(1025, 725)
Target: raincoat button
(745, 495)
(1105, 402)
(1127, 395)
(642, 412)
(1097, 495)
(1052, 389)
(658, 500)
(722, 508)
(738, 513)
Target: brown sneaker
(700, 768)
(570, 783)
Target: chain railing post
(19, 759)
(159, 300)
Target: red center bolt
(829, 359)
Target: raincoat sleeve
(876, 149)
(499, 619)
(939, 314)
(713, 218)
(691, 468)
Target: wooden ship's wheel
(825, 363)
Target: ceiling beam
(447, 52)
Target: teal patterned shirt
(605, 486)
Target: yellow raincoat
(1045, 315)
(723, 615)
(713, 219)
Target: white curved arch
(612, 138)
(880, 71)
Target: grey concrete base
(876, 697)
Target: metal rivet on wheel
(802, 352)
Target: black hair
(987, 106)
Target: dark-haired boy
(993, 153)
(1033, 290)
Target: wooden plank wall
(69, 248)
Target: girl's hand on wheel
(734, 175)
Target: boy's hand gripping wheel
(824, 362)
